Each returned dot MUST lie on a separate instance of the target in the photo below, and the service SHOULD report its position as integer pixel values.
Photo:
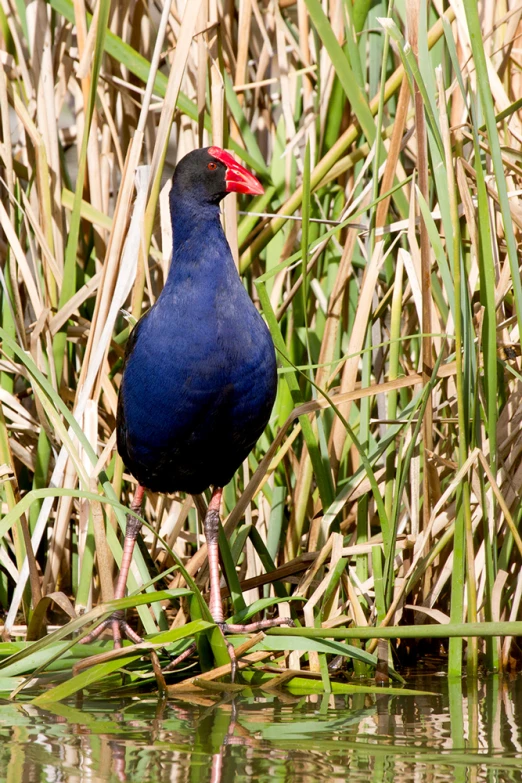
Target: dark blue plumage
(199, 380)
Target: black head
(208, 174)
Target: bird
(200, 376)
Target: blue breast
(200, 375)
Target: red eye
(212, 166)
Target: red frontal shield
(238, 179)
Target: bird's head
(210, 173)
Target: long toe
(120, 628)
(224, 628)
(182, 657)
(248, 628)
(256, 627)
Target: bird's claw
(120, 628)
(248, 628)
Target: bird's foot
(230, 628)
(120, 628)
(248, 628)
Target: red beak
(238, 179)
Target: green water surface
(465, 731)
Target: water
(463, 732)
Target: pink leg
(211, 526)
(117, 621)
(132, 530)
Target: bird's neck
(189, 218)
(199, 246)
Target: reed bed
(384, 256)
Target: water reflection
(464, 732)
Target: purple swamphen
(199, 379)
